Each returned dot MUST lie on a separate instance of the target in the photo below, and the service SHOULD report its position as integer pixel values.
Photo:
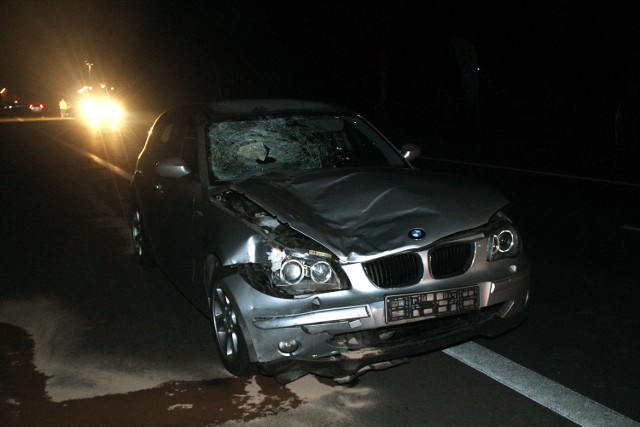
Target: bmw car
(312, 243)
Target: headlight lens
(292, 272)
(504, 242)
(300, 272)
(321, 272)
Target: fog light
(288, 347)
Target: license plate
(431, 304)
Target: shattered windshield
(246, 147)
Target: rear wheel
(141, 247)
(229, 338)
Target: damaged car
(314, 245)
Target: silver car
(314, 245)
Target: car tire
(229, 338)
(209, 266)
(141, 246)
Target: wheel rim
(226, 325)
(136, 233)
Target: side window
(176, 136)
(188, 148)
(166, 134)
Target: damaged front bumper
(347, 365)
(340, 342)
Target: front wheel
(141, 247)
(230, 341)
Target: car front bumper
(338, 341)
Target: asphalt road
(87, 337)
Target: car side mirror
(172, 167)
(410, 151)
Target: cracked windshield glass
(243, 148)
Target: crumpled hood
(359, 214)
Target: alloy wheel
(136, 233)
(226, 325)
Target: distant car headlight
(90, 110)
(113, 110)
(101, 110)
(503, 240)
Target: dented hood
(359, 214)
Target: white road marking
(582, 178)
(113, 168)
(630, 227)
(553, 396)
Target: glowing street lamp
(89, 64)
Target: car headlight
(287, 264)
(300, 272)
(90, 110)
(113, 111)
(503, 240)
(101, 110)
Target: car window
(188, 148)
(176, 137)
(165, 134)
(245, 147)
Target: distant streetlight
(89, 64)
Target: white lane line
(559, 399)
(630, 228)
(113, 168)
(560, 175)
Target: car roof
(272, 106)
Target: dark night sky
(572, 54)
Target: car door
(177, 200)
(146, 187)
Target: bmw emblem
(416, 233)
